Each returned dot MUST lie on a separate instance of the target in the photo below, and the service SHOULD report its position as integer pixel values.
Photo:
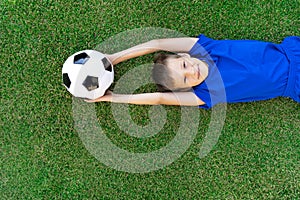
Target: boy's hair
(161, 73)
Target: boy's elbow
(165, 99)
(158, 100)
(155, 43)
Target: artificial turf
(42, 154)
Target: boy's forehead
(175, 70)
(178, 79)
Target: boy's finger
(90, 100)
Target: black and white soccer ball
(87, 74)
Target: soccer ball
(87, 74)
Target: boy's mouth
(198, 71)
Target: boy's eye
(184, 80)
(184, 66)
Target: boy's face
(187, 71)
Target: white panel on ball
(87, 74)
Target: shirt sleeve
(202, 92)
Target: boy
(206, 72)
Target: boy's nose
(190, 71)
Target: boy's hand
(107, 97)
(110, 57)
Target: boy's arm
(176, 98)
(169, 44)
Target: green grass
(42, 156)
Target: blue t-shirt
(245, 70)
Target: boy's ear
(184, 54)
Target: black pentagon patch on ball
(91, 83)
(66, 80)
(107, 64)
(81, 58)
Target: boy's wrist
(110, 57)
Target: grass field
(43, 157)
